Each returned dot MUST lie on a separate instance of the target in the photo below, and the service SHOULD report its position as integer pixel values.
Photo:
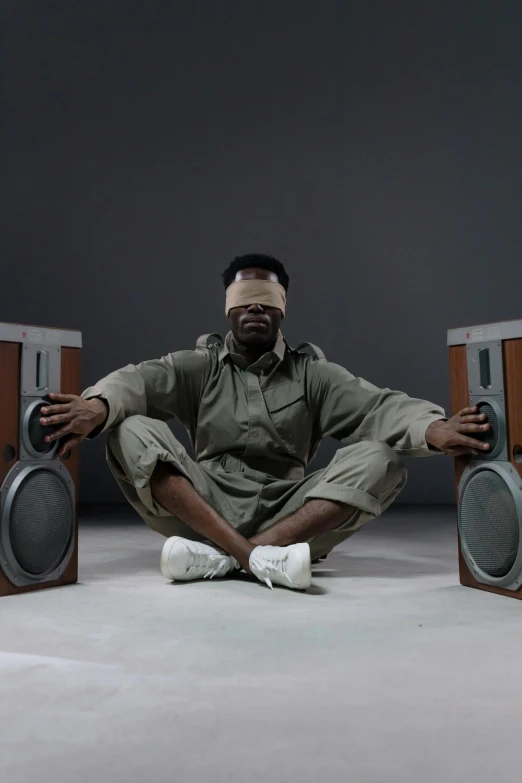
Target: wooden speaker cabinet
(38, 491)
(486, 370)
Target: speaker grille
(489, 524)
(488, 436)
(41, 522)
(36, 432)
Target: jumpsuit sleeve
(351, 409)
(162, 389)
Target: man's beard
(254, 340)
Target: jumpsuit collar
(266, 361)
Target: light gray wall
(374, 147)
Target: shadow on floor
(137, 562)
(349, 565)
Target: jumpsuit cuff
(417, 437)
(143, 474)
(351, 496)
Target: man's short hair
(258, 261)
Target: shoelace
(227, 564)
(209, 565)
(220, 569)
(265, 567)
(220, 563)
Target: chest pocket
(289, 413)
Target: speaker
(38, 490)
(486, 371)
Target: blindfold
(264, 292)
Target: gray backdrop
(374, 147)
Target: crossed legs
(176, 493)
(141, 454)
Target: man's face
(255, 325)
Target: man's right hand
(79, 418)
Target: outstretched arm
(160, 388)
(352, 409)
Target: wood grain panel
(10, 406)
(512, 350)
(70, 383)
(459, 399)
(9, 403)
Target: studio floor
(386, 670)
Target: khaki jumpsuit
(254, 428)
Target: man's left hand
(451, 436)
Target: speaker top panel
(482, 333)
(42, 335)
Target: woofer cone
(490, 517)
(37, 522)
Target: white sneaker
(183, 560)
(289, 566)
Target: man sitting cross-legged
(256, 410)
